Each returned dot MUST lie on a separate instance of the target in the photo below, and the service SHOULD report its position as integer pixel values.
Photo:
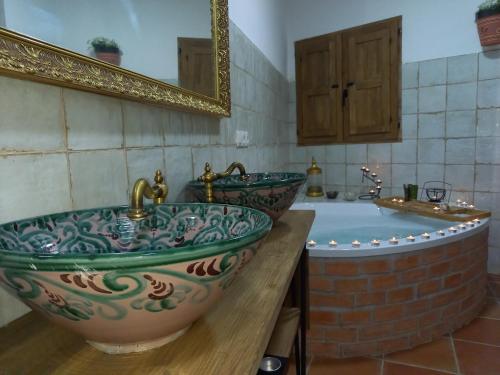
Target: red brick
(322, 349)
(341, 334)
(450, 296)
(356, 350)
(320, 283)
(315, 267)
(430, 318)
(406, 263)
(384, 282)
(375, 298)
(428, 287)
(439, 269)
(417, 307)
(331, 300)
(453, 249)
(395, 344)
(376, 331)
(323, 317)
(375, 266)
(351, 285)
(460, 263)
(451, 310)
(433, 255)
(357, 316)
(452, 280)
(412, 276)
(406, 325)
(388, 312)
(400, 295)
(316, 332)
(341, 268)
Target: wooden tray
(427, 209)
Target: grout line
(420, 366)
(382, 365)
(478, 343)
(455, 356)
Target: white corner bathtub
(365, 221)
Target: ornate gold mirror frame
(27, 58)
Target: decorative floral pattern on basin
(272, 193)
(116, 281)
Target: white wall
(263, 22)
(431, 28)
(146, 31)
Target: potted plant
(488, 22)
(106, 50)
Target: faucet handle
(159, 177)
(160, 187)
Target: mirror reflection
(168, 40)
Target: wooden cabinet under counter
(231, 339)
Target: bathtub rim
(385, 248)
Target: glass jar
(314, 180)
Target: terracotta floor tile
(397, 369)
(437, 355)
(485, 331)
(349, 366)
(491, 310)
(477, 359)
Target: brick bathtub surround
(381, 304)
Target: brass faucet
(158, 193)
(210, 176)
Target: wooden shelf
(427, 209)
(284, 333)
(229, 339)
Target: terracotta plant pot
(109, 57)
(488, 27)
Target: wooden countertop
(229, 340)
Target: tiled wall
(451, 132)
(62, 149)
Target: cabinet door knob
(351, 83)
(335, 86)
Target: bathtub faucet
(158, 193)
(209, 176)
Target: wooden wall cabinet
(349, 85)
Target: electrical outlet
(242, 139)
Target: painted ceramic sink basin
(129, 286)
(272, 193)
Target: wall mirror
(171, 52)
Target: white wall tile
(432, 72)
(461, 124)
(143, 124)
(32, 116)
(335, 174)
(488, 150)
(460, 151)
(432, 99)
(405, 152)
(489, 64)
(356, 154)
(179, 171)
(98, 178)
(429, 172)
(462, 68)
(379, 153)
(431, 125)
(335, 153)
(488, 93)
(488, 122)
(461, 177)
(403, 174)
(487, 178)
(461, 96)
(93, 121)
(143, 163)
(431, 151)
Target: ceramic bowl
(272, 193)
(129, 286)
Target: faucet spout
(210, 176)
(158, 193)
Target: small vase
(489, 29)
(109, 57)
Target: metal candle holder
(374, 192)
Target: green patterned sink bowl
(272, 193)
(129, 286)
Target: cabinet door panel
(319, 111)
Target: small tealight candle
(311, 243)
(441, 232)
(436, 209)
(378, 182)
(332, 243)
(470, 224)
(471, 206)
(356, 243)
(372, 191)
(459, 202)
(393, 241)
(401, 201)
(410, 238)
(477, 221)
(375, 243)
(379, 186)
(363, 168)
(367, 170)
(462, 226)
(394, 200)
(452, 229)
(426, 236)
(374, 174)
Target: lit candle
(426, 236)
(374, 174)
(452, 229)
(441, 232)
(363, 168)
(464, 204)
(401, 201)
(459, 202)
(477, 221)
(410, 238)
(394, 200)
(372, 191)
(393, 241)
(436, 209)
(470, 224)
(356, 243)
(375, 243)
(367, 170)
(332, 243)
(462, 226)
(311, 243)
(379, 186)
(378, 182)
(471, 206)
